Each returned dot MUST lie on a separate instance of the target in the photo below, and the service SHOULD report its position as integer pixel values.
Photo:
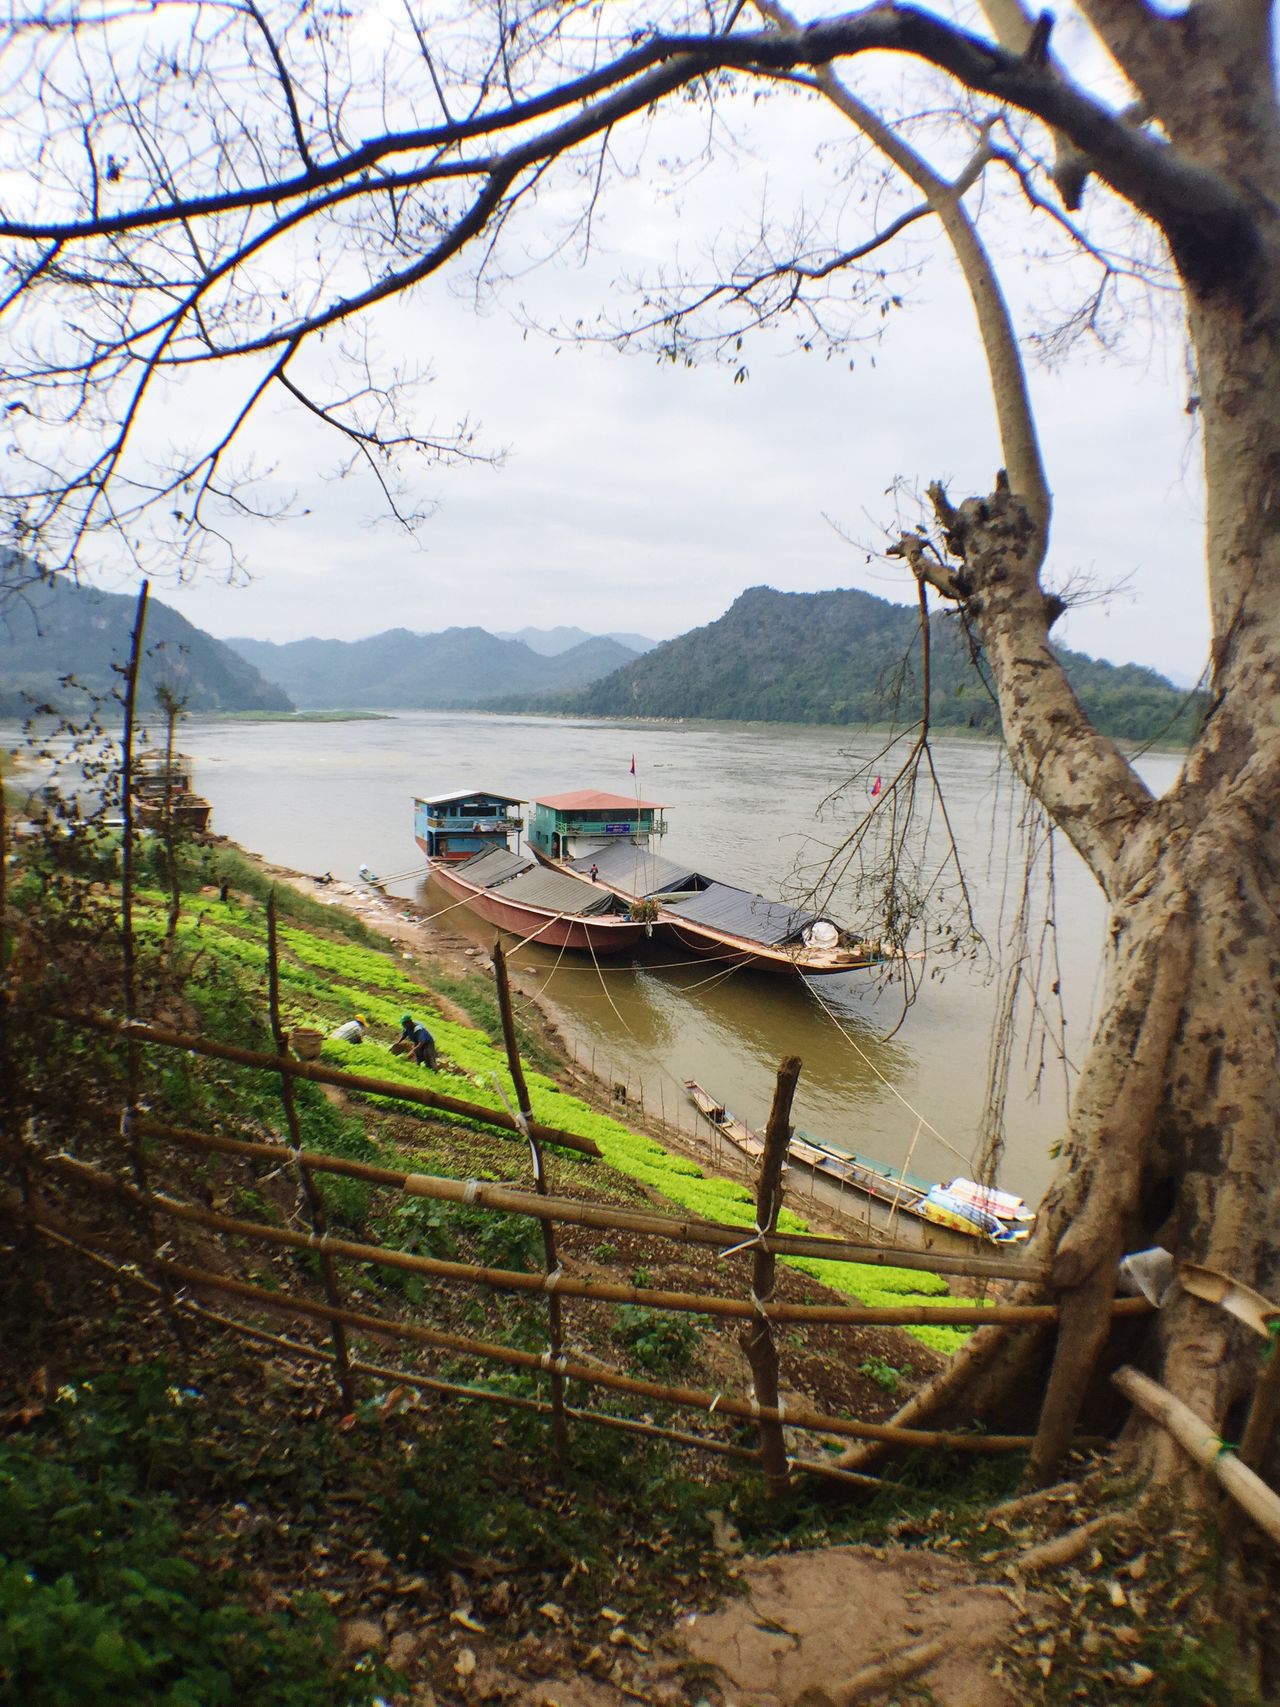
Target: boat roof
(740, 913)
(637, 870)
(470, 794)
(560, 894)
(496, 865)
(521, 878)
(592, 800)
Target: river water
(743, 803)
(749, 804)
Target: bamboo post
(757, 1340)
(1201, 1443)
(128, 955)
(310, 1190)
(555, 1334)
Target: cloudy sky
(636, 496)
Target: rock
(404, 1650)
(360, 1636)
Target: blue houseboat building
(452, 827)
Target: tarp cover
(743, 914)
(637, 871)
(558, 893)
(494, 867)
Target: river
(743, 804)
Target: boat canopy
(539, 887)
(639, 872)
(495, 866)
(738, 912)
(520, 878)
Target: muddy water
(743, 804)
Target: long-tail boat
(934, 1203)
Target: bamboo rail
(141, 1032)
(451, 1389)
(798, 1415)
(515, 1280)
(681, 1229)
(1202, 1443)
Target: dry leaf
(460, 1616)
(465, 1663)
(555, 1613)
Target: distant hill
(838, 657)
(402, 671)
(551, 642)
(49, 632)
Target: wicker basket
(306, 1042)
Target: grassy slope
(324, 980)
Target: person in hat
(352, 1032)
(420, 1040)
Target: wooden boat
(162, 784)
(511, 891)
(872, 1180)
(606, 839)
(736, 1131)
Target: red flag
(633, 764)
(876, 786)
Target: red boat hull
(598, 936)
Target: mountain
(551, 642)
(53, 630)
(847, 657)
(398, 670)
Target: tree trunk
(1173, 1135)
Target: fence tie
(759, 1305)
(517, 1114)
(318, 1241)
(757, 1238)
(554, 1278)
(711, 1407)
(558, 1365)
(470, 1191)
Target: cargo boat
(605, 838)
(162, 786)
(466, 836)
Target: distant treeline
(847, 657)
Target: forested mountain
(52, 631)
(398, 670)
(846, 657)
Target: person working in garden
(420, 1040)
(352, 1032)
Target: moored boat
(162, 787)
(934, 1203)
(466, 838)
(606, 838)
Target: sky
(631, 495)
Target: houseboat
(466, 837)
(162, 786)
(607, 839)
